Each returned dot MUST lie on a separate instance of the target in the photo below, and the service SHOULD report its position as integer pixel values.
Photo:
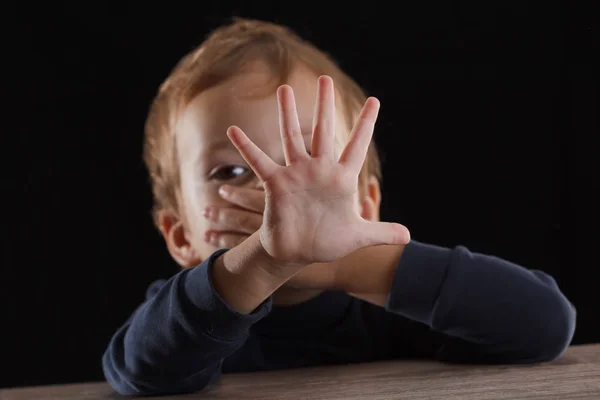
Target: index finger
(250, 199)
(262, 165)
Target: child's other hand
(235, 223)
(310, 212)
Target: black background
(487, 130)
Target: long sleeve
(446, 304)
(450, 305)
(498, 312)
(177, 340)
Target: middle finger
(324, 119)
(250, 199)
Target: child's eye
(227, 172)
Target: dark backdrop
(487, 129)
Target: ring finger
(233, 219)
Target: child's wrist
(246, 275)
(318, 276)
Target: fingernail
(224, 190)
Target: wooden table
(576, 375)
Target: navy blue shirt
(450, 305)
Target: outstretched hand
(311, 214)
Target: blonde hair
(224, 53)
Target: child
(312, 277)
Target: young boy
(238, 161)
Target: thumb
(382, 233)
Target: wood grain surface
(576, 375)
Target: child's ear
(176, 237)
(371, 200)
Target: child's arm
(175, 341)
(503, 312)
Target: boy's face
(208, 159)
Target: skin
(282, 245)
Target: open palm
(311, 214)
